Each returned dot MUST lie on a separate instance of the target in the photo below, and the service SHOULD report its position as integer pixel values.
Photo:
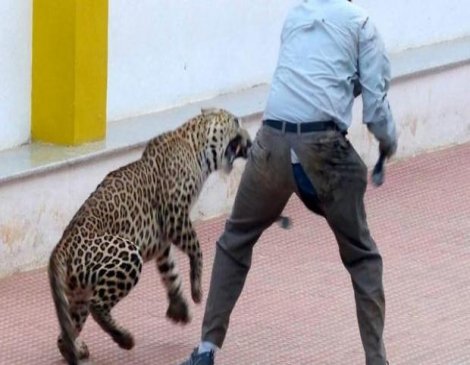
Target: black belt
(301, 127)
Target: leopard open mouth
(237, 147)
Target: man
(330, 52)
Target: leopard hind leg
(118, 274)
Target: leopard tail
(57, 275)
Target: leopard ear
(207, 111)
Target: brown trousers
(340, 177)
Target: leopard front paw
(178, 310)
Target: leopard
(138, 213)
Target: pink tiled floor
(297, 306)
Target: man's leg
(362, 259)
(340, 177)
(264, 190)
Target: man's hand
(387, 150)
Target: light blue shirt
(330, 50)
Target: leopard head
(227, 139)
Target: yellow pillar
(70, 48)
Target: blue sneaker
(206, 358)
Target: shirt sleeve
(374, 77)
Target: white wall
(413, 23)
(165, 53)
(15, 71)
